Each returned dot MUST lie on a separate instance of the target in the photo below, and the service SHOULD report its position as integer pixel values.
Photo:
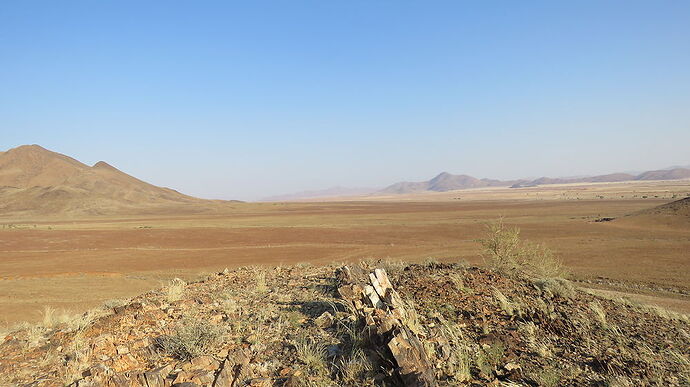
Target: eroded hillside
(299, 326)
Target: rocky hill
(376, 323)
(675, 214)
(36, 181)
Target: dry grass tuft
(175, 290)
(530, 333)
(312, 354)
(548, 377)
(458, 364)
(505, 304)
(52, 318)
(489, 358)
(352, 369)
(260, 285)
(556, 287)
(77, 358)
(599, 313)
(191, 338)
(114, 303)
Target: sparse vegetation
(599, 313)
(191, 338)
(502, 332)
(78, 354)
(548, 377)
(459, 362)
(52, 318)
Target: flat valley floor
(77, 264)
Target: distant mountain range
(449, 182)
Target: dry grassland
(79, 263)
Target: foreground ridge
(373, 323)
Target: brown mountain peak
(32, 171)
(103, 165)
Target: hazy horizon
(254, 100)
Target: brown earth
(299, 326)
(673, 215)
(79, 264)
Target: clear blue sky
(250, 99)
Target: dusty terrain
(78, 264)
(666, 189)
(313, 326)
(105, 279)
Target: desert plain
(76, 263)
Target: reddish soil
(138, 252)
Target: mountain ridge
(37, 181)
(448, 182)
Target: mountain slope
(665, 174)
(36, 181)
(673, 214)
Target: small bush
(556, 287)
(507, 253)
(192, 338)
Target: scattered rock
(324, 321)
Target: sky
(243, 100)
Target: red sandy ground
(78, 264)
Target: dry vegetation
(515, 323)
(507, 253)
(77, 265)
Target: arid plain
(78, 263)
